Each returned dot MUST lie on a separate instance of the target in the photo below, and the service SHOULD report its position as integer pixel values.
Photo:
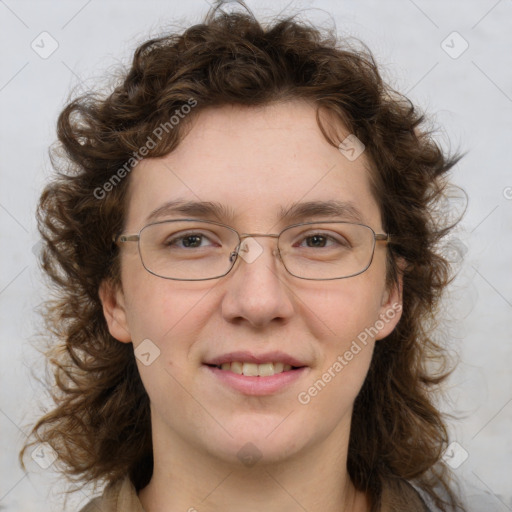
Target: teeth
(250, 369)
(264, 370)
(236, 367)
(256, 370)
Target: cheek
(159, 309)
(339, 311)
(343, 319)
(171, 316)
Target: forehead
(255, 164)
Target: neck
(186, 479)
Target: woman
(244, 242)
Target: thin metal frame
(377, 237)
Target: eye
(323, 240)
(191, 240)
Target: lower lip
(257, 385)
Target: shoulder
(120, 496)
(471, 497)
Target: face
(254, 161)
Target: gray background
(471, 96)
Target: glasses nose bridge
(252, 235)
(276, 253)
(243, 236)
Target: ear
(391, 307)
(112, 299)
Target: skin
(254, 160)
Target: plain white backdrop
(452, 58)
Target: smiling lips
(255, 370)
(251, 365)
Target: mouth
(250, 369)
(256, 374)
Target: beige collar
(397, 496)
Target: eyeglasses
(197, 250)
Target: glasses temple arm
(125, 238)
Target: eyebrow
(298, 211)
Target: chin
(264, 445)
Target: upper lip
(250, 357)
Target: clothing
(122, 497)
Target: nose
(257, 291)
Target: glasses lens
(327, 250)
(196, 250)
(188, 250)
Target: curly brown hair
(100, 425)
